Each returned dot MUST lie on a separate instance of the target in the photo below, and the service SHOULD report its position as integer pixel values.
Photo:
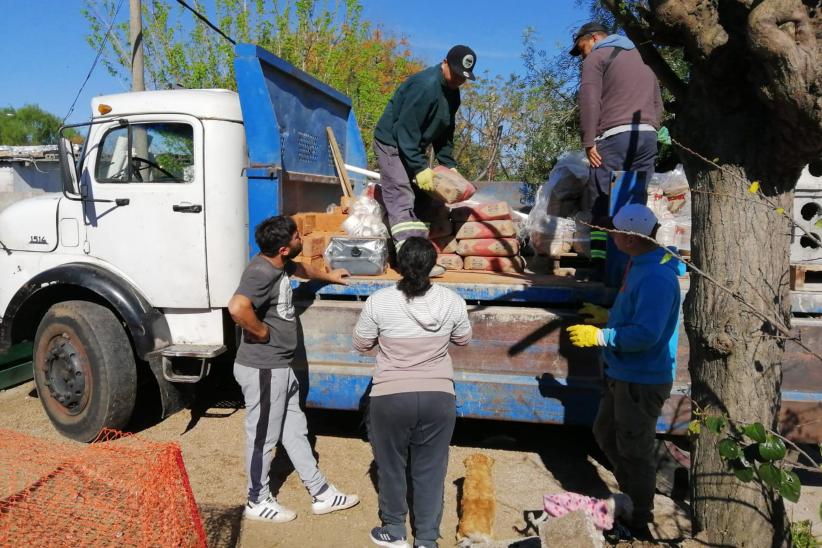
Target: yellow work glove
(584, 336)
(425, 179)
(596, 314)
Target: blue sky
(45, 57)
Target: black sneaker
(381, 537)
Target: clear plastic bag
(669, 197)
(365, 219)
(551, 225)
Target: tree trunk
(735, 356)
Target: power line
(94, 64)
(207, 22)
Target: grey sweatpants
(397, 195)
(273, 413)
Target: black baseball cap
(461, 60)
(587, 28)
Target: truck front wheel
(84, 369)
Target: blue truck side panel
(286, 112)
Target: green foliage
(746, 444)
(29, 125)
(329, 41)
(802, 534)
(716, 423)
(755, 431)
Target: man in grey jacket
(620, 108)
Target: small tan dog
(478, 505)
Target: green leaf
(744, 473)
(754, 188)
(818, 224)
(729, 449)
(755, 431)
(716, 423)
(771, 475)
(772, 448)
(790, 488)
(694, 427)
(780, 210)
(665, 258)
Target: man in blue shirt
(639, 345)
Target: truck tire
(84, 369)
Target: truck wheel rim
(65, 375)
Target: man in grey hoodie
(620, 108)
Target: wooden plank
(806, 277)
(339, 163)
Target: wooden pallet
(806, 277)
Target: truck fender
(146, 325)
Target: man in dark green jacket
(420, 113)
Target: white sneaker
(269, 510)
(331, 500)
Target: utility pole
(136, 34)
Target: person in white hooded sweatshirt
(412, 407)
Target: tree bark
(735, 360)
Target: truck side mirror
(68, 165)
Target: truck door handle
(187, 208)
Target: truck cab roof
(222, 104)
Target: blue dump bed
(520, 365)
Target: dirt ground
(531, 460)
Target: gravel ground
(531, 460)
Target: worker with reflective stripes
(421, 113)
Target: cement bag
(473, 230)
(450, 261)
(495, 264)
(503, 247)
(553, 236)
(450, 187)
(445, 245)
(481, 212)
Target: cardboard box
(315, 243)
(305, 222)
(329, 222)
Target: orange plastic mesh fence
(117, 491)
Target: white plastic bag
(669, 197)
(365, 219)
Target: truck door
(158, 239)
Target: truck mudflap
(521, 366)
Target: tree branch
(642, 38)
(694, 22)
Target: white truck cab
(154, 233)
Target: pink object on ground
(600, 511)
